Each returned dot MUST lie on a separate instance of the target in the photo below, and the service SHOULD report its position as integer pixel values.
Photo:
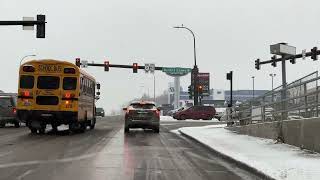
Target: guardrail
(301, 101)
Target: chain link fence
(301, 100)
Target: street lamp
(252, 87)
(195, 69)
(26, 57)
(272, 76)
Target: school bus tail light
(26, 93)
(69, 95)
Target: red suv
(196, 112)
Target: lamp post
(252, 87)
(30, 55)
(272, 76)
(195, 68)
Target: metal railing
(301, 101)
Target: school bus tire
(93, 123)
(33, 130)
(83, 127)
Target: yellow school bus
(55, 92)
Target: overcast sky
(230, 35)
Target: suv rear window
(143, 106)
(69, 83)
(48, 82)
(5, 102)
(26, 82)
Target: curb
(230, 159)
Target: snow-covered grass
(279, 161)
(170, 119)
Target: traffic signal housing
(78, 63)
(135, 67)
(314, 55)
(106, 66)
(41, 26)
(200, 90)
(293, 60)
(274, 63)
(190, 92)
(229, 76)
(257, 64)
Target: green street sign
(176, 71)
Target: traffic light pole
(285, 55)
(195, 68)
(195, 85)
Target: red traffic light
(78, 62)
(135, 67)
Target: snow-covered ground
(279, 161)
(170, 119)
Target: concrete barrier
(304, 133)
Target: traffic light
(78, 62)
(106, 66)
(229, 76)
(257, 64)
(200, 88)
(135, 67)
(41, 27)
(293, 60)
(190, 92)
(314, 54)
(274, 63)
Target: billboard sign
(204, 81)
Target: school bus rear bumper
(60, 117)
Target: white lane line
(64, 160)
(4, 154)
(24, 174)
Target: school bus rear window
(69, 83)
(48, 82)
(26, 82)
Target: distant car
(142, 114)
(219, 113)
(8, 111)
(172, 112)
(196, 112)
(100, 112)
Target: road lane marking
(64, 160)
(24, 174)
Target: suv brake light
(14, 110)
(157, 113)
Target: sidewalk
(278, 161)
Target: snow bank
(170, 119)
(279, 161)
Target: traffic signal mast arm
(22, 23)
(315, 53)
(122, 66)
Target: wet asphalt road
(107, 154)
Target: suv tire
(126, 130)
(16, 124)
(156, 129)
